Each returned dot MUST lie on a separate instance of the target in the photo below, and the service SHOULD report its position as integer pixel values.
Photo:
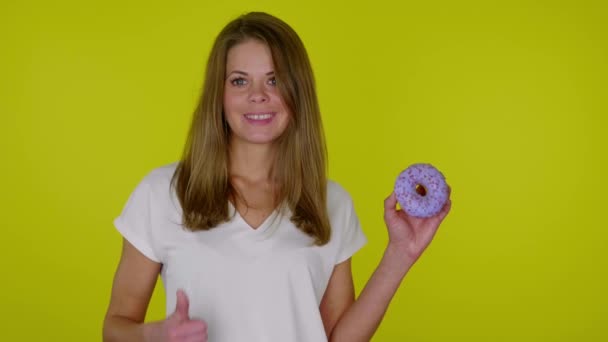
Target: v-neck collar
(233, 212)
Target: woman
(253, 243)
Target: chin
(263, 141)
(258, 140)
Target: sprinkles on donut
(421, 190)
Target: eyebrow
(246, 74)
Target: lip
(259, 122)
(261, 112)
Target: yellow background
(507, 98)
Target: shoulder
(335, 191)
(337, 197)
(160, 177)
(347, 234)
(155, 187)
(161, 174)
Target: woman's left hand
(411, 235)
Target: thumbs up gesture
(180, 328)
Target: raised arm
(408, 238)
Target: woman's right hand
(179, 327)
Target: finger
(428, 233)
(194, 336)
(182, 305)
(198, 338)
(390, 203)
(194, 328)
(445, 210)
(431, 229)
(202, 338)
(391, 214)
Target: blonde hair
(202, 179)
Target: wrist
(397, 256)
(152, 332)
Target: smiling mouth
(259, 116)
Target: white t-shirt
(255, 285)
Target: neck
(252, 162)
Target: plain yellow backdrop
(507, 98)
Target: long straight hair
(202, 180)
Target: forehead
(251, 55)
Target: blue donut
(421, 190)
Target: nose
(258, 94)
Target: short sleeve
(134, 222)
(352, 236)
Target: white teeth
(258, 116)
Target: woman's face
(253, 106)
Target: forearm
(118, 329)
(361, 320)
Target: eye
(272, 81)
(239, 81)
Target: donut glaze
(421, 190)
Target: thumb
(390, 207)
(390, 202)
(182, 305)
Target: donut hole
(420, 190)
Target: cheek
(228, 100)
(278, 99)
(285, 121)
(229, 109)
(232, 105)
